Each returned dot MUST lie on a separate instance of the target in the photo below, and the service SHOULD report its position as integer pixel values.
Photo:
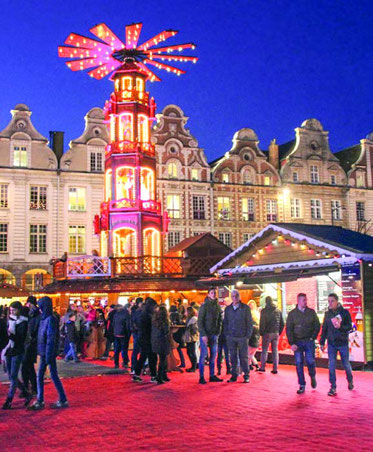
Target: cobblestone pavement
(111, 413)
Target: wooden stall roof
(116, 285)
(202, 241)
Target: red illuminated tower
(131, 221)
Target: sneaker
(159, 382)
(36, 406)
(215, 379)
(165, 378)
(246, 379)
(28, 399)
(232, 379)
(301, 390)
(202, 381)
(7, 404)
(350, 385)
(274, 372)
(261, 370)
(132, 372)
(153, 380)
(332, 392)
(59, 404)
(136, 378)
(313, 382)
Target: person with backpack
(48, 344)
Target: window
(125, 183)
(295, 176)
(173, 206)
(126, 127)
(173, 238)
(38, 238)
(360, 211)
(225, 178)
(247, 177)
(76, 239)
(38, 198)
(194, 174)
(271, 209)
(333, 179)
(224, 208)
(198, 207)
(267, 180)
(20, 156)
(96, 162)
(3, 237)
(3, 196)
(247, 236)
(314, 174)
(336, 210)
(77, 199)
(360, 179)
(295, 208)
(248, 209)
(315, 209)
(226, 238)
(172, 170)
(143, 128)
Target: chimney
(273, 154)
(56, 143)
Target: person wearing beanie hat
(12, 355)
(31, 300)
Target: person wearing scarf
(12, 354)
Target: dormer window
(20, 156)
(247, 177)
(225, 178)
(172, 170)
(295, 176)
(314, 174)
(333, 179)
(194, 174)
(360, 179)
(267, 179)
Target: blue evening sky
(267, 65)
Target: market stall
(283, 260)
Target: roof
(334, 235)
(285, 149)
(187, 243)
(344, 241)
(215, 161)
(115, 285)
(348, 156)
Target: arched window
(172, 170)
(125, 242)
(143, 129)
(126, 127)
(125, 182)
(126, 83)
(147, 184)
(140, 87)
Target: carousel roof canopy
(296, 249)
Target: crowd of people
(210, 334)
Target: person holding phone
(336, 327)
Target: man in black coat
(302, 328)
(335, 329)
(270, 327)
(121, 327)
(238, 326)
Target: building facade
(48, 198)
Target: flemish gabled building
(313, 180)
(245, 187)
(357, 162)
(47, 198)
(183, 177)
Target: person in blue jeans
(48, 343)
(209, 326)
(72, 338)
(302, 328)
(13, 353)
(336, 327)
